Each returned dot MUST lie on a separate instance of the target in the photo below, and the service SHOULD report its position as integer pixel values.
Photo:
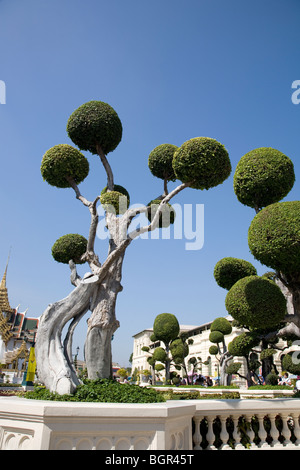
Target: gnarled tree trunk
(54, 363)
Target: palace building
(17, 335)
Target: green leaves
(95, 123)
(63, 161)
(256, 302)
(203, 162)
(262, 177)
(69, 247)
(229, 270)
(274, 237)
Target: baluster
(274, 433)
(262, 433)
(210, 436)
(224, 436)
(286, 432)
(295, 417)
(236, 436)
(252, 435)
(197, 434)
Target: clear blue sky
(172, 70)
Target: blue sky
(172, 70)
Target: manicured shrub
(160, 162)
(69, 247)
(221, 324)
(95, 123)
(230, 270)
(114, 201)
(274, 236)
(203, 162)
(262, 177)
(62, 161)
(166, 327)
(256, 302)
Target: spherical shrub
(213, 350)
(241, 345)
(69, 247)
(62, 161)
(160, 354)
(216, 337)
(166, 327)
(120, 189)
(262, 177)
(179, 350)
(166, 216)
(160, 161)
(274, 236)
(221, 324)
(256, 302)
(95, 123)
(203, 162)
(115, 202)
(229, 270)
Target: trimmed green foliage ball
(63, 161)
(95, 123)
(160, 161)
(256, 302)
(221, 324)
(166, 327)
(262, 177)
(179, 350)
(203, 162)
(166, 216)
(213, 350)
(216, 337)
(229, 270)
(115, 202)
(241, 345)
(120, 189)
(159, 354)
(69, 247)
(274, 236)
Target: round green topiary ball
(256, 302)
(213, 350)
(167, 215)
(241, 345)
(69, 247)
(63, 161)
(203, 162)
(274, 237)
(262, 177)
(216, 337)
(229, 270)
(221, 324)
(114, 201)
(166, 327)
(160, 161)
(95, 123)
(119, 189)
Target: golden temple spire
(4, 302)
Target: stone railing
(246, 424)
(176, 425)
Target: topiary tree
(263, 177)
(200, 163)
(219, 328)
(166, 329)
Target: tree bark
(54, 362)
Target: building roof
(182, 328)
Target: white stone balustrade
(196, 425)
